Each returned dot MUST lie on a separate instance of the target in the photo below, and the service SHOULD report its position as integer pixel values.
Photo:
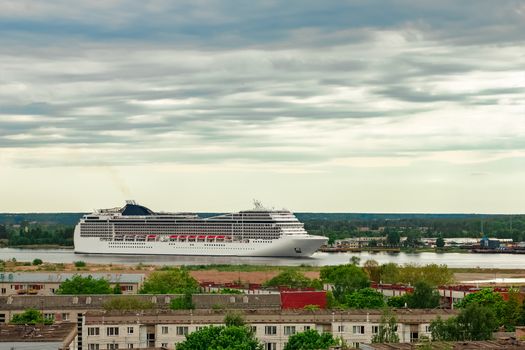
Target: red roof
(192, 236)
(201, 237)
(219, 237)
(174, 236)
(210, 237)
(152, 236)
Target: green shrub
(183, 302)
(128, 303)
(80, 264)
(37, 262)
(30, 316)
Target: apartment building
(72, 307)
(111, 330)
(38, 283)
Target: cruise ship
(135, 229)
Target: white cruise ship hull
(285, 246)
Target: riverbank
(224, 273)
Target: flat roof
(37, 333)
(205, 316)
(58, 277)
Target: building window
(182, 330)
(306, 328)
(93, 331)
(112, 346)
(130, 346)
(4, 291)
(49, 316)
(340, 328)
(427, 328)
(93, 347)
(289, 330)
(112, 331)
(270, 346)
(358, 329)
(65, 316)
(130, 330)
(164, 345)
(270, 330)
(375, 329)
(164, 330)
(254, 329)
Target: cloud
(208, 82)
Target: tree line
(37, 234)
(446, 226)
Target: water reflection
(318, 259)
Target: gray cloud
(212, 82)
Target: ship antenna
(257, 205)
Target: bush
(292, 278)
(184, 302)
(30, 316)
(84, 285)
(175, 281)
(229, 291)
(233, 319)
(128, 303)
(80, 264)
(37, 262)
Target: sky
(202, 105)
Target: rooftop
(262, 316)
(39, 333)
(39, 277)
(463, 345)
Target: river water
(501, 261)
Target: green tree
(30, 316)
(390, 273)
(128, 303)
(345, 279)
(440, 242)
(399, 301)
(393, 238)
(477, 322)
(484, 297)
(233, 319)
(176, 281)
(310, 340)
(512, 310)
(117, 289)
(84, 285)
(221, 338)
(444, 330)
(366, 298)
(292, 278)
(184, 302)
(433, 274)
(37, 262)
(373, 270)
(387, 332)
(424, 297)
(413, 239)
